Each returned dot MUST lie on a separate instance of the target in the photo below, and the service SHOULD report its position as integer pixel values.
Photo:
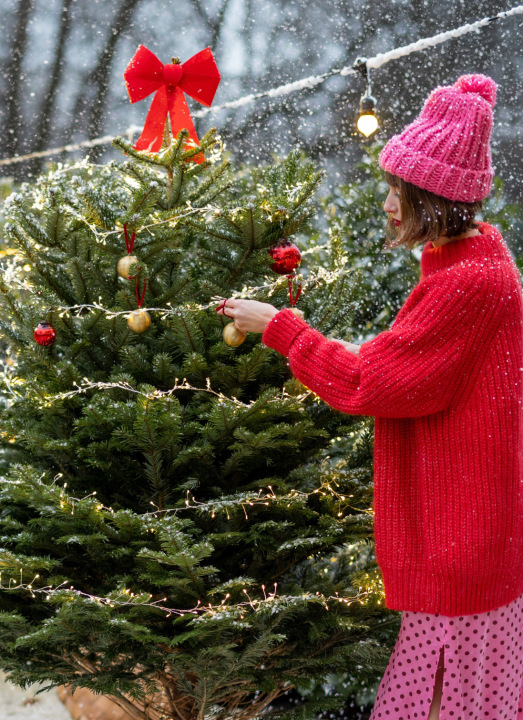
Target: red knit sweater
(445, 386)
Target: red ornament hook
(129, 244)
(139, 299)
(293, 300)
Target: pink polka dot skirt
(483, 667)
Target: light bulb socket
(367, 105)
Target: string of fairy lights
(367, 122)
(127, 599)
(370, 591)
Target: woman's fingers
(248, 315)
(226, 307)
(351, 347)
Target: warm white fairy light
(367, 124)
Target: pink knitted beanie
(446, 150)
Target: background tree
(62, 68)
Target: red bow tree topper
(198, 77)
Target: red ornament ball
(286, 256)
(45, 334)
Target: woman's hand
(354, 349)
(249, 315)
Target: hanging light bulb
(367, 121)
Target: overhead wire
(312, 81)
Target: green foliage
(181, 526)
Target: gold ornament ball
(124, 265)
(299, 313)
(139, 321)
(232, 336)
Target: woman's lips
(397, 223)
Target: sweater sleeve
(413, 369)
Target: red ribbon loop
(139, 300)
(293, 300)
(129, 244)
(198, 77)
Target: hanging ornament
(44, 334)
(139, 320)
(233, 336)
(124, 264)
(286, 256)
(299, 313)
(198, 77)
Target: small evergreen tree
(180, 519)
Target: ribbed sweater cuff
(283, 330)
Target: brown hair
(426, 216)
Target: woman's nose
(389, 206)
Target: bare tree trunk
(214, 24)
(94, 92)
(248, 30)
(101, 73)
(217, 23)
(13, 122)
(48, 104)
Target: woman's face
(392, 205)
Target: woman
(444, 384)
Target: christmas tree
(185, 527)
